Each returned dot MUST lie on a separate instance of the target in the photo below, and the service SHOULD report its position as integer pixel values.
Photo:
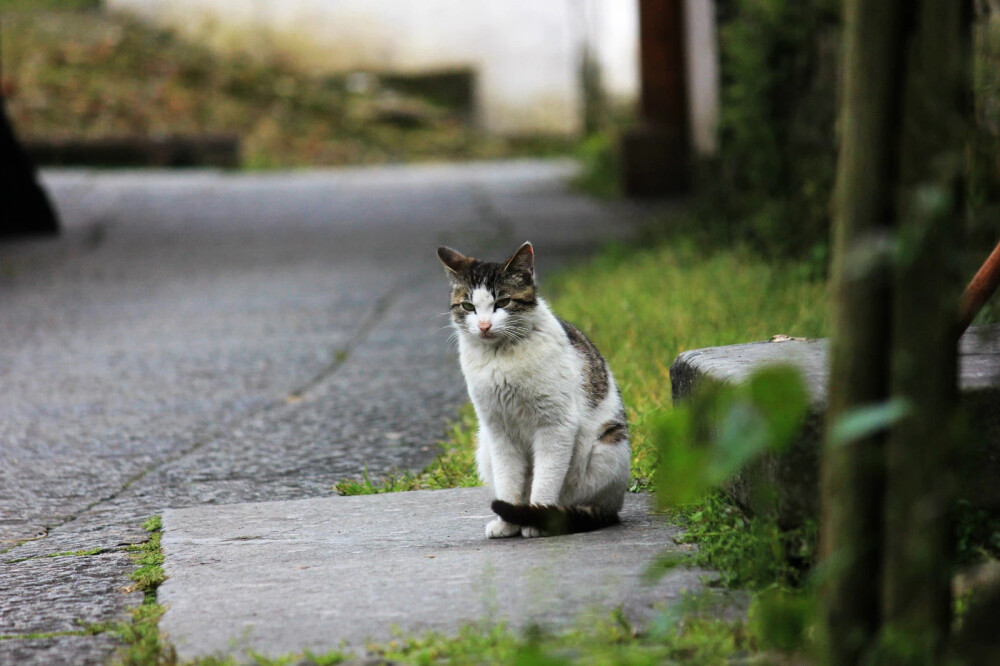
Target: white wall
(703, 74)
(526, 53)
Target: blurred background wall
(526, 56)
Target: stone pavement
(201, 337)
(279, 577)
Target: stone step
(795, 474)
(282, 577)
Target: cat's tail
(554, 520)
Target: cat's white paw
(531, 532)
(499, 529)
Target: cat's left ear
(454, 261)
(522, 261)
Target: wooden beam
(656, 154)
(852, 475)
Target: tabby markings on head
(500, 280)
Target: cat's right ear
(454, 261)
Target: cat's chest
(522, 385)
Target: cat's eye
(502, 303)
(468, 307)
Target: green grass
(149, 556)
(642, 307)
(697, 637)
(747, 552)
(142, 644)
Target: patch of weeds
(689, 638)
(454, 468)
(784, 620)
(977, 535)
(140, 634)
(65, 553)
(149, 556)
(748, 552)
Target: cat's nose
(485, 326)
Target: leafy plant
(772, 180)
(719, 429)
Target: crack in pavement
(340, 356)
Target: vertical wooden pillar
(656, 154)
(888, 497)
(863, 223)
(921, 449)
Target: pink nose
(485, 326)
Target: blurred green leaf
(665, 562)
(720, 428)
(864, 422)
(680, 477)
(781, 396)
(781, 619)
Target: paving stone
(54, 594)
(280, 577)
(58, 650)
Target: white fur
(538, 434)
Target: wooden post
(656, 154)
(921, 447)
(864, 211)
(27, 208)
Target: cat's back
(596, 381)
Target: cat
(553, 441)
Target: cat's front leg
(553, 452)
(509, 470)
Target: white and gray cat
(553, 436)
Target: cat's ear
(454, 261)
(522, 261)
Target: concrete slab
(795, 473)
(280, 577)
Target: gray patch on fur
(615, 430)
(595, 369)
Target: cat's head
(492, 303)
